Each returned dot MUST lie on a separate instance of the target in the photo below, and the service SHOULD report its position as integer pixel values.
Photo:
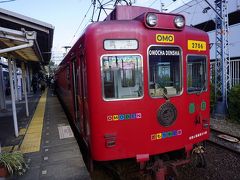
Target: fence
(235, 72)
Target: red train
(136, 85)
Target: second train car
(136, 85)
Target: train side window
(196, 73)
(122, 77)
(165, 71)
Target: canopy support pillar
(2, 90)
(10, 69)
(25, 87)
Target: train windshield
(164, 71)
(122, 76)
(196, 73)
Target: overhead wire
(185, 3)
(101, 6)
(173, 1)
(100, 9)
(94, 6)
(183, 10)
(206, 24)
(92, 17)
(81, 22)
(192, 5)
(6, 1)
(170, 3)
(152, 3)
(204, 8)
(193, 14)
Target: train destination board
(164, 51)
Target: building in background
(200, 15)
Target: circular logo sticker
(167, 114)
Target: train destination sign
(163, 51)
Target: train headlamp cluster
(164, 21)
(179, 21)
(152, 19)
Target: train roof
(128, 12)
(121, 13)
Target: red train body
(137, 85)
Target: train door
(75, 90)
(197, 81)
(83, 119)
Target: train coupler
(167, 170)
(159, 168)
(198, 156)
(142, 159)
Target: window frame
(181, 71)
(207, 75)
(102, 79)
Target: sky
(70, 17)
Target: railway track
(225, 140)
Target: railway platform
(47, 141)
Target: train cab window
(122, 77)
(196, 73)
(164, 71)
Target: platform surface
(58, 156)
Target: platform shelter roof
(28, 39)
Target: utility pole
(66, 49)
(222, 61)
(222, 69)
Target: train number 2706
(196, 45)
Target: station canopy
(25, 38)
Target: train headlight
(179, 21)
(152, 19)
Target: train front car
(148, 88)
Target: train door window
(165, 71)
(122, 77)
(196, 73)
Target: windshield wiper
(202, 89)
(164, 95)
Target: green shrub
(234, 103)
(14, 162)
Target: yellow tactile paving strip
(32, 139)
(22, 131)
(7, 149)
